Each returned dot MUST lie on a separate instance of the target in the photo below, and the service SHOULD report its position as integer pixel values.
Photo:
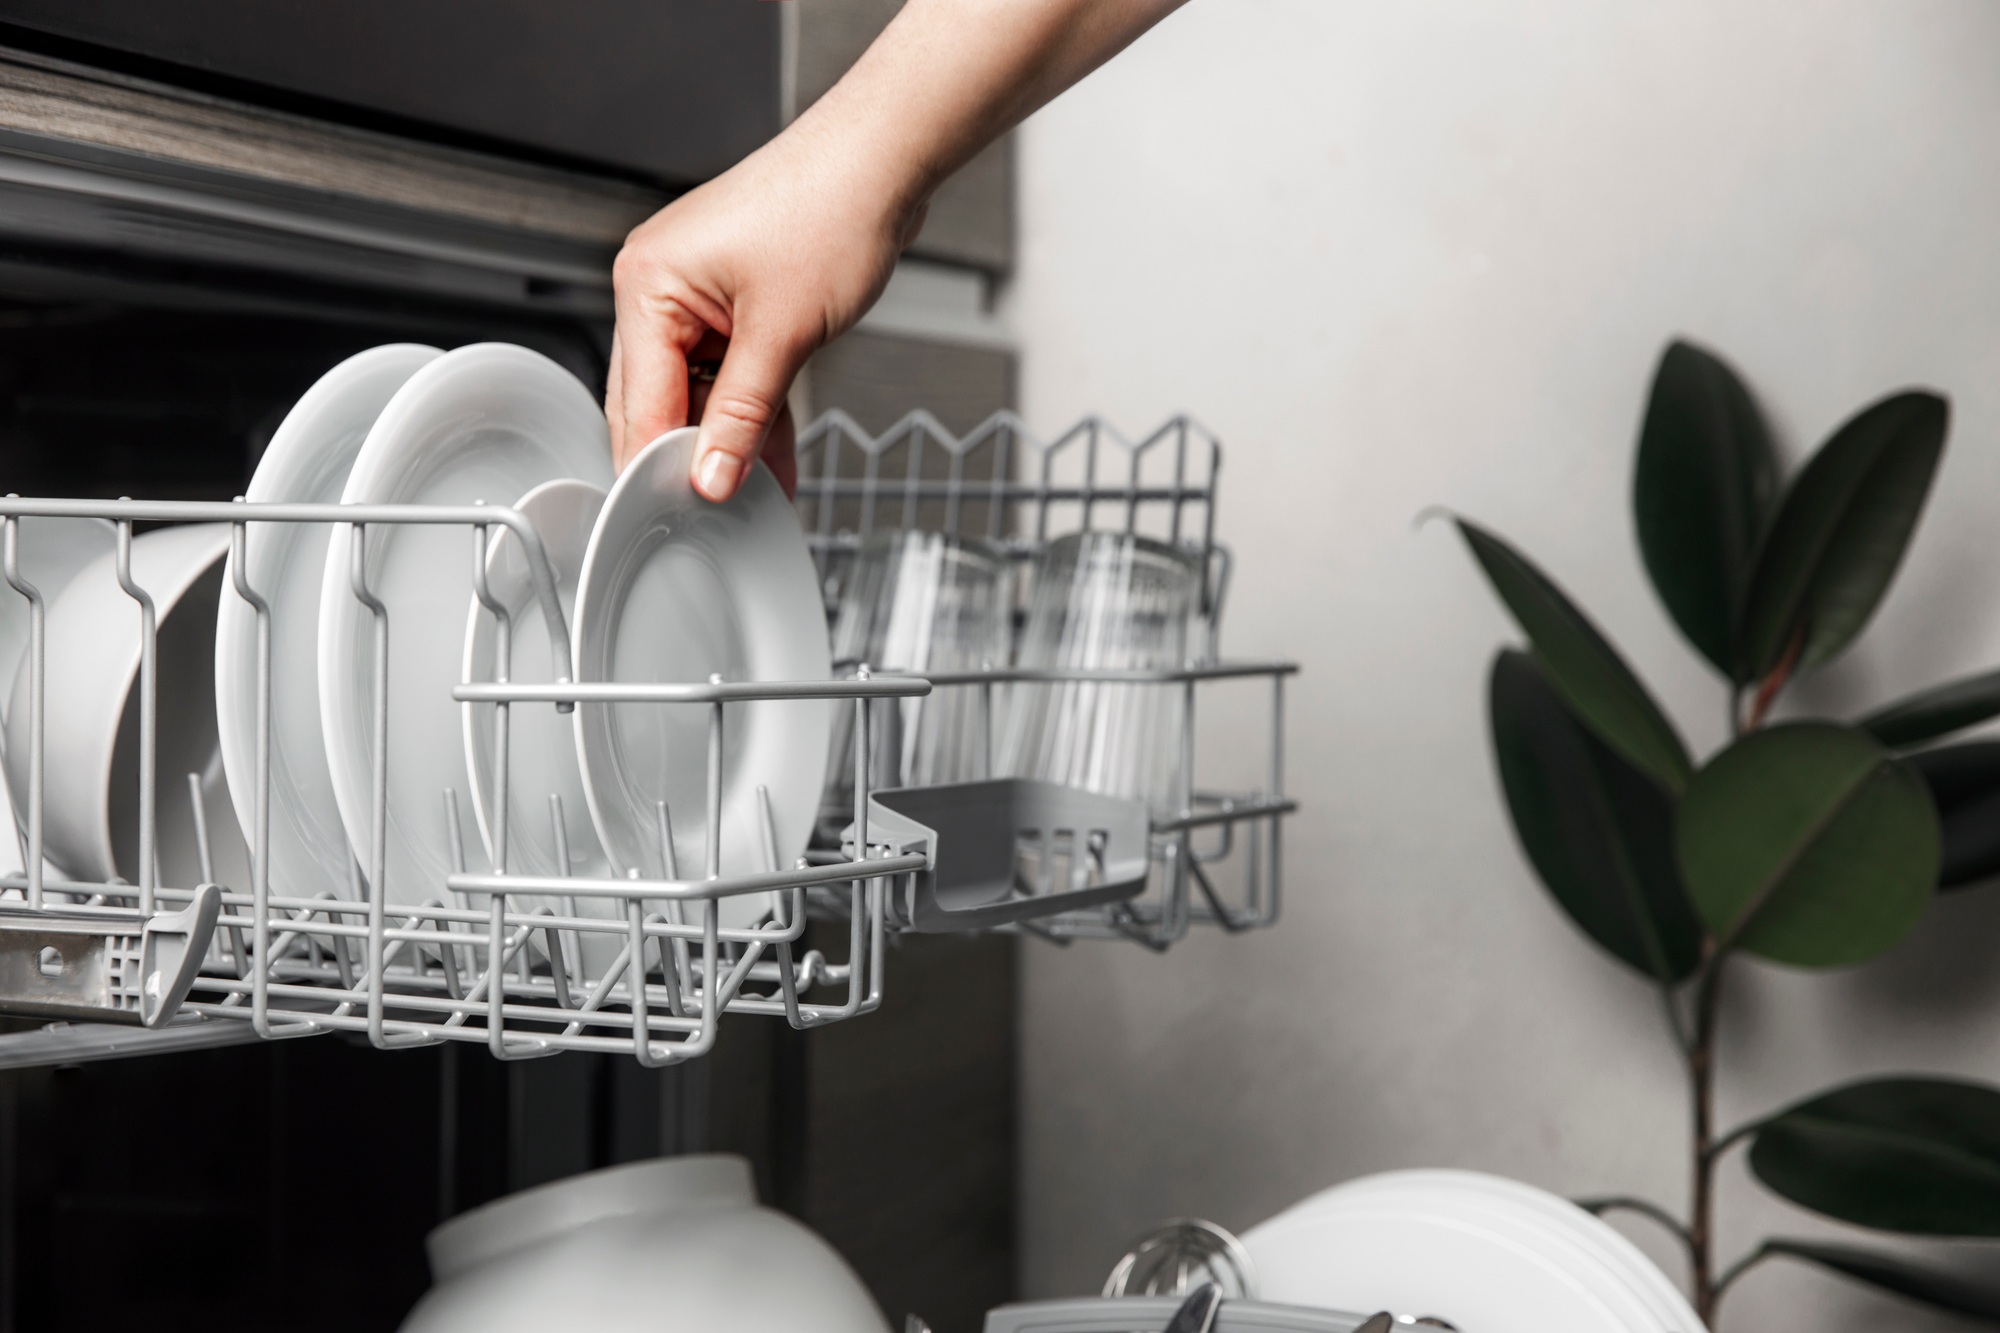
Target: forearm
(785, 250)
(947, 77)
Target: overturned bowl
(91, 706)
(674, 1243)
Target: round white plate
(307, 462)
(541, 742)
(489, 423)
(675, 588)
(1513, 1202)
(1477, 1274)
(91, 711)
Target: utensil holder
(1004, 851)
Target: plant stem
(1701, 1086)
(1774, 684)
(1610, 1203)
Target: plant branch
(1610, 1203)
(1739, 1268)
(1769, 689)
(1701, 1088)
(1732, 1138)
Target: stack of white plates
(1487, 1254)
(658, 584)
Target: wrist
(868, 159)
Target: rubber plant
(1808, 843)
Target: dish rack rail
(642, 967)
(1002, 483)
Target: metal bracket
(104, 966)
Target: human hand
(755, 270)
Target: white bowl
(91, 707)
(676, 1243)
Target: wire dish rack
(1003, 484)
(643, 967)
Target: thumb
(744, 404)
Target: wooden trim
(73, 104)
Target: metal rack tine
(149, 692)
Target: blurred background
(1428, 254)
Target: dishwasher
(223, 1101)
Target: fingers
(614, 405)
(652, 383)
(660, 320)
(745, 405)
(781, 446)
(781, 452)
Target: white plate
(1474, 1193)
(1476, 1274)
(307, 462)
(677, 589)
(541, 741)
(487, 422)
(91, 712)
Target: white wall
(1408, 252)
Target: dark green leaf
(1964, 782)
(1840, 532)
(1935, 712)
(1960, 1293)
(1918, 1155)
(1808, 843)
(1597, 830)
(1582, 665)
(1704, 479)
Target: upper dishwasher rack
(481, 955)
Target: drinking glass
(920, 602)
(1111, 601)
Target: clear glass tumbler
(920, 602)
(1110, 601)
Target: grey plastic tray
(1008, 850)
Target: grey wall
(1403, 254)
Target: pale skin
(781, 254)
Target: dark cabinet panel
(671, 89)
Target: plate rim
(276, 479)
(385, 459)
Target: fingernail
(716, 474)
